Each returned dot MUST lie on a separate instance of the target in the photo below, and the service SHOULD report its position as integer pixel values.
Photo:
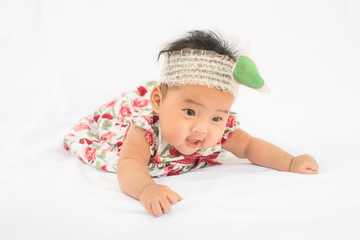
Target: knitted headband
(208, 68)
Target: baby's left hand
(304, 164)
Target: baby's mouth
(193, 143)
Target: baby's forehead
(203, 88)
(201, 94)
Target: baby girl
(177, 124)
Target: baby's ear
(155, 98)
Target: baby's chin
(188, 152)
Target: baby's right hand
(157, 199)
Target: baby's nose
(200, 128)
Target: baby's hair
(203, 40)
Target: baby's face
(194, 117)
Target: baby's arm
(266, 154)
(134, 178)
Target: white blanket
(59, 60)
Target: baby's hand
(157, 199)
(305, 164)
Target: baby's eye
(217, 119)
(190, 112)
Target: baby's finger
(165, 205)
(156, 209)
(174, 198)
(314, 165)
(148, 208)
(309, 171)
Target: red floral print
(196, 159)
(231, 121)
(148, 119)
(107, 116)
(125, 111)
(90, 154)
(104, 168)
(224, 139)
(108, 136)
(174, 152)
(79, 157)
(80, 127)
(141, 102)
(96, 118)
(173, 173)
(111, 104)
(155, 118)
(156, 159)
(149, 136)
(167, 169)
(89, 141)
(142, 91)
(83, 140)
(119, 144)
(172, 170)
(66, 147)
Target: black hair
(204, 40)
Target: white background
(60, 60)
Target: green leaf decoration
(246, 72)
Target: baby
(180, 123)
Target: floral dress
(97, 138)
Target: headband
(208, 68)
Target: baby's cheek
(212, 139)
(172, 136)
